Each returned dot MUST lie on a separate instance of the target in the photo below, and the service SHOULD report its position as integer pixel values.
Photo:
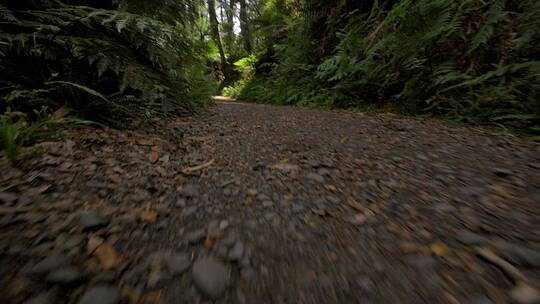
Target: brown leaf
(145, 142)
(160, 170)
(10, 210)
(200, 138)
(524, 293)
(16, 286)
(285, 167)
(131, 294)
(357, 219)
(59, 114)
(93, 243)
(107, 256)
(357, 206)
(207, 243)
(153, 157)
(409, 247)
(152, 297)
(149, 216)
(43, 189)
(189, 170)
(508, 268)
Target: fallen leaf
(207, 243)
(131, 294)
(344, 140)
(524, 293)
(149, 216)
(16, 286)
(153, 157)
(439, 248)
(43, 189)
(330, 188)
(59, 114)
(200, 138)
(409, 247)
(189, 170)
(10, 210)
(252, 192)
(107, 256)
(356, 206)
(508, 268)
(319, 212)
(145, 142)
(284, 167)
(152, 297)
(357, 219)
(161, 171)
(93, 243)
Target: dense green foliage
(106, 60)
(469, 59)
(113, 60)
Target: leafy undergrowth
(469, 60)
(112, 62)
(16, 131)
(105, 62)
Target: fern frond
(80, 87)
(6, 14)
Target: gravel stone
(211, 277)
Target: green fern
(129, 57)
(6, 14)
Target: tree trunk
(244, 26)
(214, 27)
(229, 27)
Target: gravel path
(250, 203)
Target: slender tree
(214, 27)
(229, 26)
(244, 26)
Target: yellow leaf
(330, 187)
(153, 157)
(439, 248)
(93, 243)
(189, 170)
(107, 256)
(149, 216)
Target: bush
(16, 131)
(469, 59)
(107, 64)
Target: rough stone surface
(211, 277)
(101, 294)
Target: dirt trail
(250, 203)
